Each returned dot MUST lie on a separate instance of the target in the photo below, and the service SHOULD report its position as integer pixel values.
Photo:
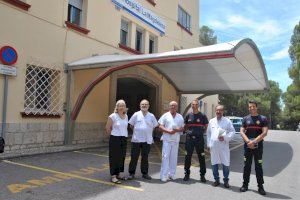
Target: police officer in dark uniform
(253, 130)
(195, 126)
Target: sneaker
(261, 190)
(164, 180)
(202, 179)
(226, 185)
(171, 178)
(244, 188)
(186, 177)
(216, 183)
(115, 180)
(130, 177)
(146, 176)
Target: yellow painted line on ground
(237, 146)
(94, 154)
(73, 176)
(101, 155)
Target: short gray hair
(120, 102)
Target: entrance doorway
(133, 90)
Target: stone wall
(37, 136)
(88, 133)
(33, 135)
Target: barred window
(43, 91)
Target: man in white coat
(172, 125)
(219, 132)
(142, 122)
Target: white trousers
(169, 159)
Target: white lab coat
(219, 150)
(170, 144)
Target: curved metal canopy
(235, 66)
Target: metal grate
(43, 90)
(183, 103)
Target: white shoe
(163, 179)
(171, 178)
(115, 180)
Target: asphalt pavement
(84, 175)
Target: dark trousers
(117, 154)
(136, 149)
(248, 156)
(198, 144)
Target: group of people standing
(219, 132)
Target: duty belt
(197, 125)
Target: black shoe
(216, 183)
(261, 190)
(186, 177)
(244, 188)
(226, 185)
(202, 179)
(146, 176)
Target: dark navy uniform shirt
(196, 124)
(253, 125)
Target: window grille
(43, 91)
(183, 103)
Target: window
(184, 19)
(152, 44)
(43, 88)
(75, 12)
(139, 40)
(124, 32)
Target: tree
(291, 97)
(207, 36)
(268, 103)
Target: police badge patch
(257, 122)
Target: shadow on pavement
(276, 157)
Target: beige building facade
(48, 35)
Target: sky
(269, 23)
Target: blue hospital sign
(142, 13)
(8, 55)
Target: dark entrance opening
(133, 91)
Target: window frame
(154, 39)
(141, 32)
(124, 31)
(184, 19)
(71, 9)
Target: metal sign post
(8, 56)
(4, 105)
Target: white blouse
(119, 125)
